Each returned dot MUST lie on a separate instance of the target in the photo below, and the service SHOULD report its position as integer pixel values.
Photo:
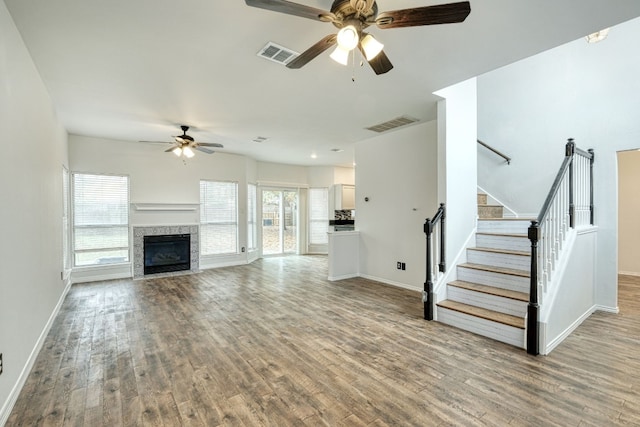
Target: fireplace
(167, 253)
(142, 259)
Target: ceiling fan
(352, 17)
(185, 144)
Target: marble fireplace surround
(158, 230)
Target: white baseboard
(342, 277)
(24, 374)
(391, 282)
(607, 309)
(629, 273)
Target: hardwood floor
(275, 344)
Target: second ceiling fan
(352, 17)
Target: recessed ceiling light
(314, 156)
(597, 36)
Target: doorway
(279, 222)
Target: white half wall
(590, 92)
(398, 173)
(31, 286)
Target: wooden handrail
(429, 226)
(487, 146)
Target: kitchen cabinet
(345, 196)
(344, 249)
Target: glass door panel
(279, 222)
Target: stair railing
(490, 148)
(568, 204)
(435, 255)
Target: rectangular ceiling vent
(277, 53)
(392, 124)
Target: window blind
(218, 217)
(100, 219)
(252, 232)
(318, 216)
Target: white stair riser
(517, 262)
(498, 280)
(508, 243)
(508, 227)
(497, 331)
(488, 301)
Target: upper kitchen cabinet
(345, 196)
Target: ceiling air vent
(277, 53)
(393, 124)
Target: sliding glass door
(279, 222)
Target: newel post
(570, 152)
(427, 294)
(533, 309)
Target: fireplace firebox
(167, 253)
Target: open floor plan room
(275, 343)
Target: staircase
(491, 294)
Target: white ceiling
(136, 70)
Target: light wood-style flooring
(275, 344)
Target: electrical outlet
(404, 266)
(399, 265)
(243, 249)
(1, 364)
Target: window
(100, 219)
(66, 259)
(318, 216)
(218, 217)
(252, 232)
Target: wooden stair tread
(483, 313)
(510, 271)
(483, 205)
(500, 251)
(491, 290)
(520, 235)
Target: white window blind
(252, 232)
(100, 219)
(318, 216)
(66, 254)
(218, 217)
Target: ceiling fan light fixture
(177, 151)
(348, 37)
(371, 47)
(188, 152)
(340, 55)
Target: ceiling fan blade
(313, 51)
(380, 63)
(204, 150)
(168, 150)
(428, 15)
(209, 144)
(290, 8)
(157, 142)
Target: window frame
(235, 222)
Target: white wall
(457, 183)
(529, 109)
(629, 212)
(31, 214)
(398, 173)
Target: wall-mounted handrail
(569, 203)
(487, 146)
(435, 255)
